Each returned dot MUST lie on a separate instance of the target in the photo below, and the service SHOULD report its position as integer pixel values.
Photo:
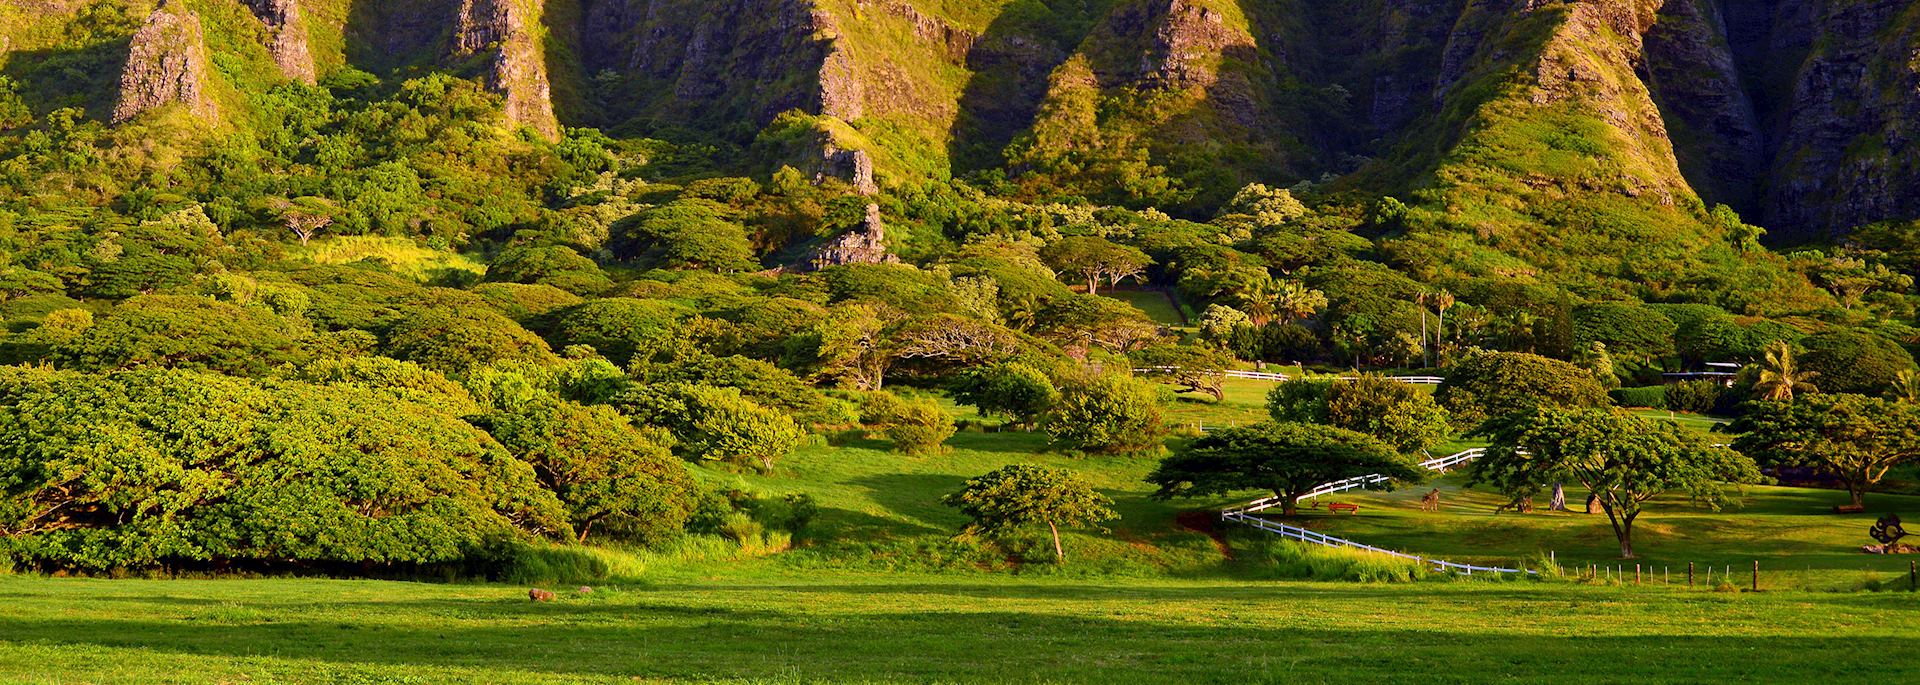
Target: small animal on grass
(585, 590)
(1522, 504)
(1431, 502)
(539, 595)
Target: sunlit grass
(403, 256)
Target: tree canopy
(1287, 459)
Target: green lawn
(749, 623)
(1153, 302)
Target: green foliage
(142, 468)
(1287, 459)
(916, 426)
(1299, 400)
(182, 332)
(1014, 390)
(1623, 459)
(1651, 396)
(555, 265)
(606, 473)
(1094, 260)
(1022, 495)
(625, 330)
(1699, 397)
(1630, 331)
(1490, 386)
(1192, 368)
(1854, 438)
(453, 341)
(1396, 413)
(713, 424)
(689, 234)
(1854, 361)
(1106, 414)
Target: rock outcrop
(864, 245)
(166, 65)
(287, 37)
(501, 31)
(854, 167)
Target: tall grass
(402, 255)
(1284, 559)
(559, 564)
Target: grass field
(876, 594)
(754, 624)
(1153, 302)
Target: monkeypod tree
(1289, 459)
(1094, 260)
(1624, 460)
(1025, 495)
(1854, 438)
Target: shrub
(1300, 400)
(1108, 414)
(1854, 361)
(1699, 397)
(714, 424)
(916, 426)
(1651, 396)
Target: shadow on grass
(815, 638)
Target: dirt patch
(1206, 523)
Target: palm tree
(1781, 375)
(1294, 301)
(1906, 387)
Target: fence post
(1756, 575)
(1636, 574)
(1689, 574)
(1913, 575)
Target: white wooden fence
(1281, 377)
(1245, 514)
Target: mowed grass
(1155, 303)
(1790, 531)
(751, 623)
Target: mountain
(1532, 134)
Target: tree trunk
(1059, 553)
(1859, 494)
(584, 529)
(1624, 529)
(1289, 505)
(1093, 285)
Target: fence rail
(1245, 514)
(1312, 537)
(1281, 377)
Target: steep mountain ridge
(1518, 127)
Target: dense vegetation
(223, 336)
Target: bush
(1854, 361)
(916, 426)
(1109, 414)
(1301, 400)
(1699, 397)
(714, 424)
(1651, 396)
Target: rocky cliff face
(1846, 146)
(166, 64)
(287, 31)
(695, 61)
(502, 33)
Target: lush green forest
(837, 296)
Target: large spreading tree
(1289, 459)
(1854, 438)
(1624, 460)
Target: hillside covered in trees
(367, 284)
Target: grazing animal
(1522, 504)
(584, 590)
(539, 595)
(1431, 502)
